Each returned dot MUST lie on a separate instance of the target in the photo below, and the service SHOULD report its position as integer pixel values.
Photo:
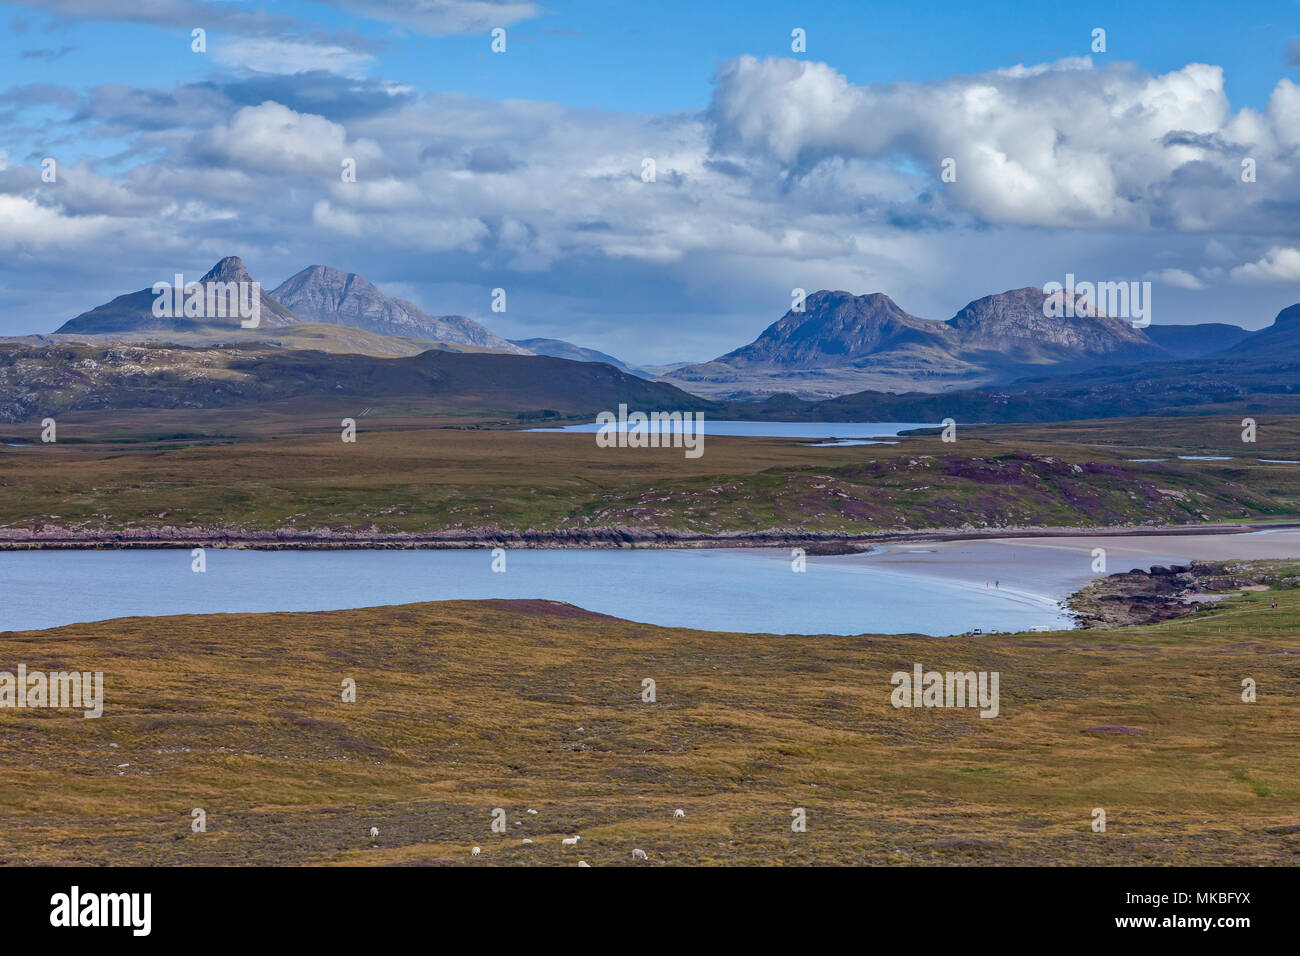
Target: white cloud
(1062, 144)
(1179, 278)
(1278, 265)
(272, 137)
(290, 55)
(25, 222)
(793, 177)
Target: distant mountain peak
(322, 293)
(833, 328)
(843, 342)
(1017, 323)
(229, 269)
(134, 311)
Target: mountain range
(838, 346)
(1260, 374)
(842, 343)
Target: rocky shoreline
(50, 536)
(1165, 593)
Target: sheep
(679, 813)
(527, 841)
(584, 863)
(531, 810)
(476, 851)
(571, 841)
(374, 832)
(639, 855)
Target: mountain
(839, 343)
(558, 348)
(47, 380)
(1013, 329)
(1280, 338)
(1192, 341)
(845, 343)
(1259, 375)
(134, 311)
(325, 294)
(836, 328)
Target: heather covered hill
(45, 380)
(464, 723)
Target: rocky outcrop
(324, 294)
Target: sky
(775, 168)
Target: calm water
(752, 590)
(782, 429)
(930, 588)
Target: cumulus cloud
(29, 224)
(1179, 278)
(1064, 144)
(273, 138)
(1278, 265)
(791, 176)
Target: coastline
(282, 539)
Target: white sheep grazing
(476, 851)
(639, 855)
(531, 810)
(527, 841)
(679, 813)
(374, 831)
(584, 863)
(571, 841)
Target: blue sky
(761, 189)
(658, 58)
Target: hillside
(40, 381)
(1193, 341)
(558, 348)
(320, 336)
(535, 705)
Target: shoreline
(12, 539)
